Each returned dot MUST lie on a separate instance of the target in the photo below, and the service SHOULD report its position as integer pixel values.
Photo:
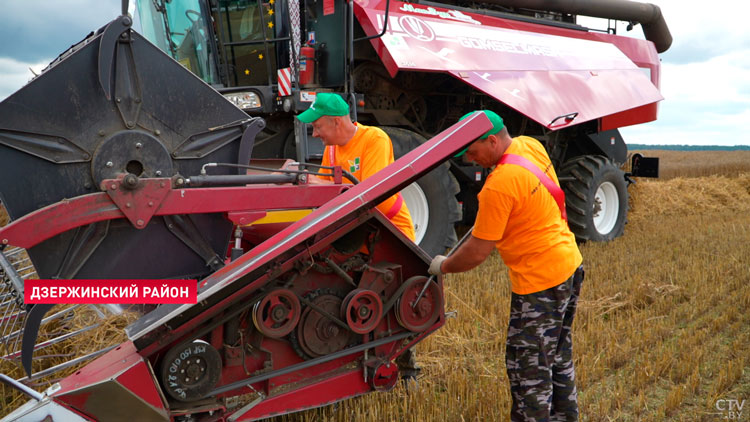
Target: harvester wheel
(426, 312)
(596, 198)
(431, 199)
(277, 313)
(189, 371)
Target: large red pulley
(277, 313)
(416, 315)
(362, 310)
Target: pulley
(362, 310)
(277, 313)
(317, 334)
(427, 310)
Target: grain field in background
(663, 326)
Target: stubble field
(662, 331)
(663, 326)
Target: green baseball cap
(325, 104)
(497, 126)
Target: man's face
(325, 128)
(481, 152)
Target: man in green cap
(522, 215)
(361, 150)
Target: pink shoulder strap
(548, 183)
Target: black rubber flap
(62, 133)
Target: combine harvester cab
(116, 138)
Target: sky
(705, 74)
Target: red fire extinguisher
(306, 64)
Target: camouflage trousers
(539, 353)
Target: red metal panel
(634, 116)
(330, 390)
(140, 380)
(542, 74)
(120, 375)
(109, 365)
(543, 96)
(54, 219)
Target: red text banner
(110, 291)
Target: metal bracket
(185, 230)
(137, 199)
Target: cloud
(35, 30)
(16, 74)
(706, 103)
(699, 36)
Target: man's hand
(437, 261)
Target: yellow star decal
(271, 1)
(270, 24)
(270, 11)
(247, 71)
(260, 56)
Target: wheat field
(662, 331)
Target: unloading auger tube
(648, 15)
(305, 317)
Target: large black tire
(432, 200)
(596, 198)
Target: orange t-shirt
(517, 211)
(368, 152)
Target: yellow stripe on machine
(285, 216)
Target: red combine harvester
(414, 68)
(140, 169)
(120, 138)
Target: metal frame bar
(309, 363)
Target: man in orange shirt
(522, 215)
(361, 150)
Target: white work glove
(437, 261)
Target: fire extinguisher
(306, 64)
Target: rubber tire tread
(440, 188)
(586, 174)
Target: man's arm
(468, 255)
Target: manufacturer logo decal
(416, 28)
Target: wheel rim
(606, 208)
(419, 209)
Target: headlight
(244, 100)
